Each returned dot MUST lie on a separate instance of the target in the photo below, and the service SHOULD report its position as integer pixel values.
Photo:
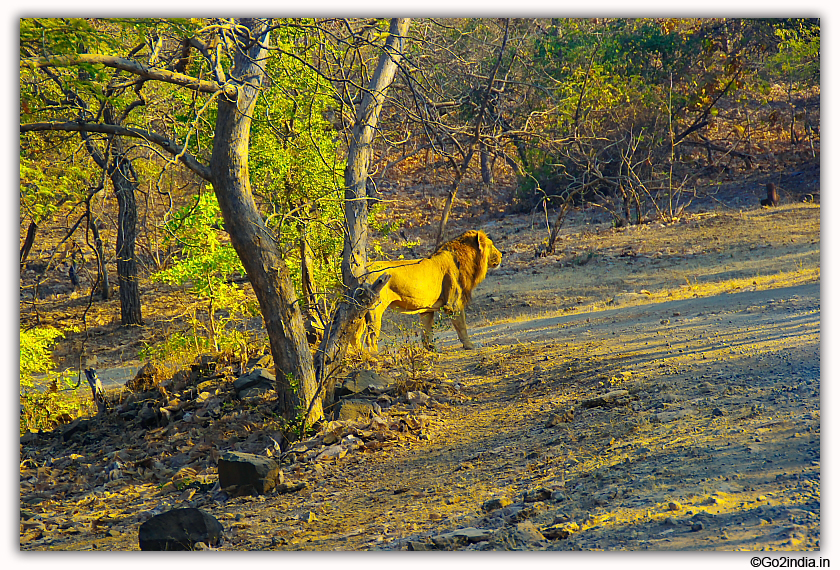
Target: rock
(76, 426)
(462, 537)
(363, 382)
(560, 531)
(150, 416)
(259, 378)
(717, 413)
(180, 529)
(248, 473)
(674, 506)
(497, 503)
(415, 545)
(536, 495)
(521, 536)
(29, 437)
(145, 379)
(418, 398)
(354, 409)
(263, 361)
(608, 400)
(696, 527)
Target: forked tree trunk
(249, 235)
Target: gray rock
(180, 529)
(461, 537)
(259, 378)
(263, 361)
(495, 504)
(248, 473)
(363, 382)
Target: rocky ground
(651, 388)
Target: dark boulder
(248, 473)
(180, 529)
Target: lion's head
(474, 254)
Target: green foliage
(205, 268)
(43, 188)
(294, 161)
(798, 57)
(46, 397)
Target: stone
(363, 382)
(496, 503)
(418, 398)
(354, 409)
(180, 529)
(560, 531)
(248, 473)
(462, 537)
(674, 506)
(262, 361)
(76, 426)
(145, 379)
(259, 378)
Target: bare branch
(134, 67)
(166, 144)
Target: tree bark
(28, 242)
(101, 266)
(119, 170)
(250, 237)
(354, 256)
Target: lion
(445, 280)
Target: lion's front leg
(459, 322)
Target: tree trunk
(486, 167)
(121, 177)
(102, 268)
(354, 256)
(28, 242)
(250, 237)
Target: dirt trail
(717, 446)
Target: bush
(47, 398)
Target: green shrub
(47, 397)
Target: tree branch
(166, 144)
(134, 67)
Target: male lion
(445, 280)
